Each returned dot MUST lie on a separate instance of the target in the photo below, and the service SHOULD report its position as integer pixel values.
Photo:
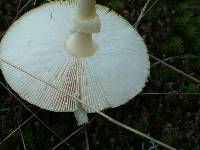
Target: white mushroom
(81, 48)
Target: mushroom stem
(86, 9)
(80, 44)
(86, 22)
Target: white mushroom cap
(36, 43)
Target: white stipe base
(80, 115)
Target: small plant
(117, 4)
(173, 45)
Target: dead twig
(18, 127)
(86, 139)
(175, 69)
(24, 145)
(187, 56)
(154, 3)
(19, 11)
(141, 14)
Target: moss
(168, 138)
(117, 4)
(174, 45)
(192, 88)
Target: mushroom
(80, 47)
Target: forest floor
(171, 30)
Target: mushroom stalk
(86, 22)
(86, 9)
(80, 44)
